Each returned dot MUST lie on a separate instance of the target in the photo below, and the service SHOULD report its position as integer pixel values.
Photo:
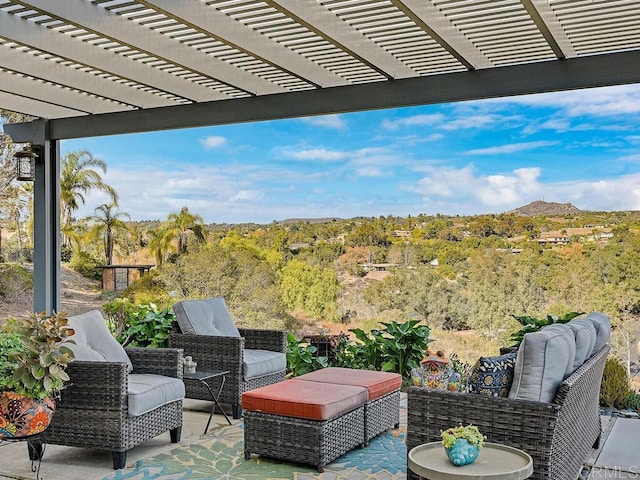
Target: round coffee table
(495, 462)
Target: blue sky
(465, 158)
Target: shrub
(532, 324)
(86, 264)
(397, 347)
(15, 281)
(633, 401)
(139, 325)
(302, 358)
(615, 388)
(148, 289)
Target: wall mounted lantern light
(25, 164)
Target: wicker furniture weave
(559, 436)
(304, 441)
(226, 353)
(92, 411)
(381, 414)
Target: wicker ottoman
(303, 422)
(382, 410)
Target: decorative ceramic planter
(462, 452)
(22, 417)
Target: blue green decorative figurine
(462, 444)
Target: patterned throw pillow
(492, 375)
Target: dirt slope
(79, 295)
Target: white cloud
(370, 172)
(597, 102)
(413, 121)
(634, 158)
(510, 148)
(317, 154)
(472, 121)
(327, 121)
(212, 141)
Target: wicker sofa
(558, 434)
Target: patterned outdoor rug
(220, 455)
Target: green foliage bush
(86, 264)
(9, 343)
(633, 401)
(15, 281)
(397, 347)
(302, 358)
(532, 324)
(148, 289)
(615, 388)
(143, 325)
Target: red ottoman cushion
(376, 383)
(302, 399)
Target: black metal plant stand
(36, 445)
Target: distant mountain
(541, 208)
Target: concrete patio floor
(617, 458)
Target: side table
(495, 462)
(204, 377)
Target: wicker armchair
(93, 412)
(559, 435)
(224, 352)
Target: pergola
(102, 67)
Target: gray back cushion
(543, 360)
(93, 340)
(205, 317)
(585, 334)
(602, 324)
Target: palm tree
(181, 224)
(107, 226)
(77, 178)
(160, 244)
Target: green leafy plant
(302, 358)
(469, 432)
(397, 347)
(139, 325)
(33, 356)
(532, 324)
(615, 388)
(462, 368)
(633, 401)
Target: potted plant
(532, 324)
(32, 372)
(462, 444)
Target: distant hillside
(307, 220)
(541, 208)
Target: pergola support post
(46, 229)
(46, 212)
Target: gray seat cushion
(146, 392)
(93, 340)
(258, 363)
(543, 359)
(205, 317)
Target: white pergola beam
(45, 92)
(215, 23)
(547, 22)
(125, 31)
(32, 107)
(65, 46)
(320, 20)
(431, 19)
(52, 71)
